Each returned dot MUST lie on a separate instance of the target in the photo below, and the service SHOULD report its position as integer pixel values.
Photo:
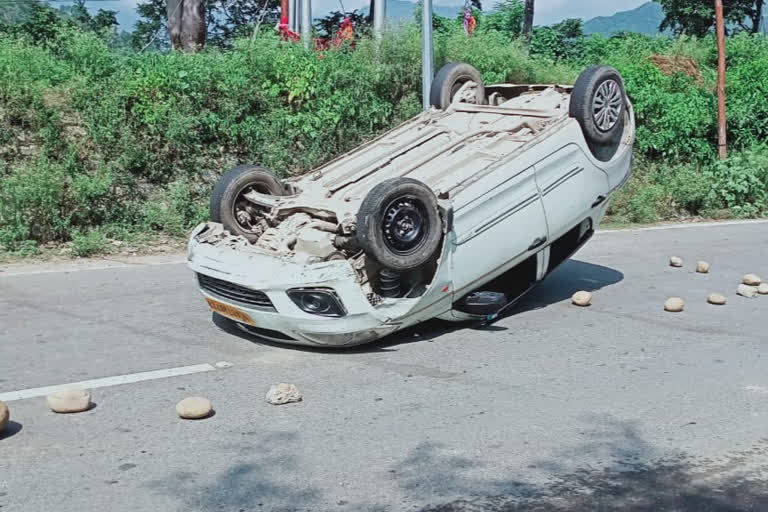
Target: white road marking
(107, 381)
(686, 225)
(101, 264)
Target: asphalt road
(619, 406)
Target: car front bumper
(284, 321)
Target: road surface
(619, 406)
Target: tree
(564, 40)
(16, 12)
(103, 22)
(224, 20)
(507, 18)
(528, 19)
(697, 17)
(187, 25)
(150, 29)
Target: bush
(88, 243)
(97, 141)
(740, 183)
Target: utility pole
(306, 23)
(427, 53)
(528, 19)
(721, 134)
(379, 15)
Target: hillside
(402, 10)
(644, 19)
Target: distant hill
(403, 10)
(644, 19)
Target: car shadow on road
(570, 277)
(631, 475)
(10, 430)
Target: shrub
(88, 243)
(97, 141)
(740, 183)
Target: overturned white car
(455, 214)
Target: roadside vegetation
(101, 142)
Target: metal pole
(306, 23)
(379, 15)
(427, 53)
(292, 15)
(721, 134)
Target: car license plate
(230, 311)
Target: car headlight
(317, 301)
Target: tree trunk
(528, 20)
(173, 14)
(186, 24)
(757, 16)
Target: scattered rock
(747, 291)
(223, 364)
(763, 289)
(674, 305)
(69, 400)
(702, 267)
(674, 261)
(752, 280)
(582, 298)
(5, 416)
(279, 394)
(716, 299)
(194, 408)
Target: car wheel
(599, 103)
(399, 225)
(232, 209)
(449, 80)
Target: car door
(498, 228)
(570, 187)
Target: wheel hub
(246, 215)
(607, 105)
(404, 224)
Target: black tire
(449, 80)
(599, 104)
(411, 207)
(226, 196)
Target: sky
(547, 11)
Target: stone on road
(763, 289)
(675, 261)
(5, 416)
(69, 400)
(582, 298)
(752, 280)
(747, 291)
(194, 408)
(717, 299)
(702, 267)
(674, 304)
(282, 393)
